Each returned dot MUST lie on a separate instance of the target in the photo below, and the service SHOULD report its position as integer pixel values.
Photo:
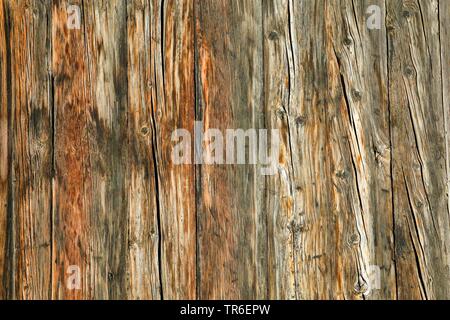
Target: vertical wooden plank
(419, 167)
(144, 233)
(106, 48)
(4, 150)
(362, 59)
(105, 126)
(30, 151)
(230, 224)
(330, 257)
(72, 105)
(173, 107)
(301, 261)
(325, 227)
(280, 63)
(444, 37)
(91, 205)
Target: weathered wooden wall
(87, 179)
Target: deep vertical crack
(158, 206)
(391, 149)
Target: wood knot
(295, 227)
(342, 174)
(110, 276)
(409, 71)
(281, 113)
(145, 130)
(273, 36)
(300, 121)
(406, 14)
(356, 95)
(131, 244)
(354, 239)
(348, 41)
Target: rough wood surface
(358, 207)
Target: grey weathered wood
(361, 56)
(419, 150)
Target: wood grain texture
(144, 278)
(230, 225)
(358, 207)
(173, 97)
(29, 156)
(419, 167)
(5, 158)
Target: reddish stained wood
(73, 180)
